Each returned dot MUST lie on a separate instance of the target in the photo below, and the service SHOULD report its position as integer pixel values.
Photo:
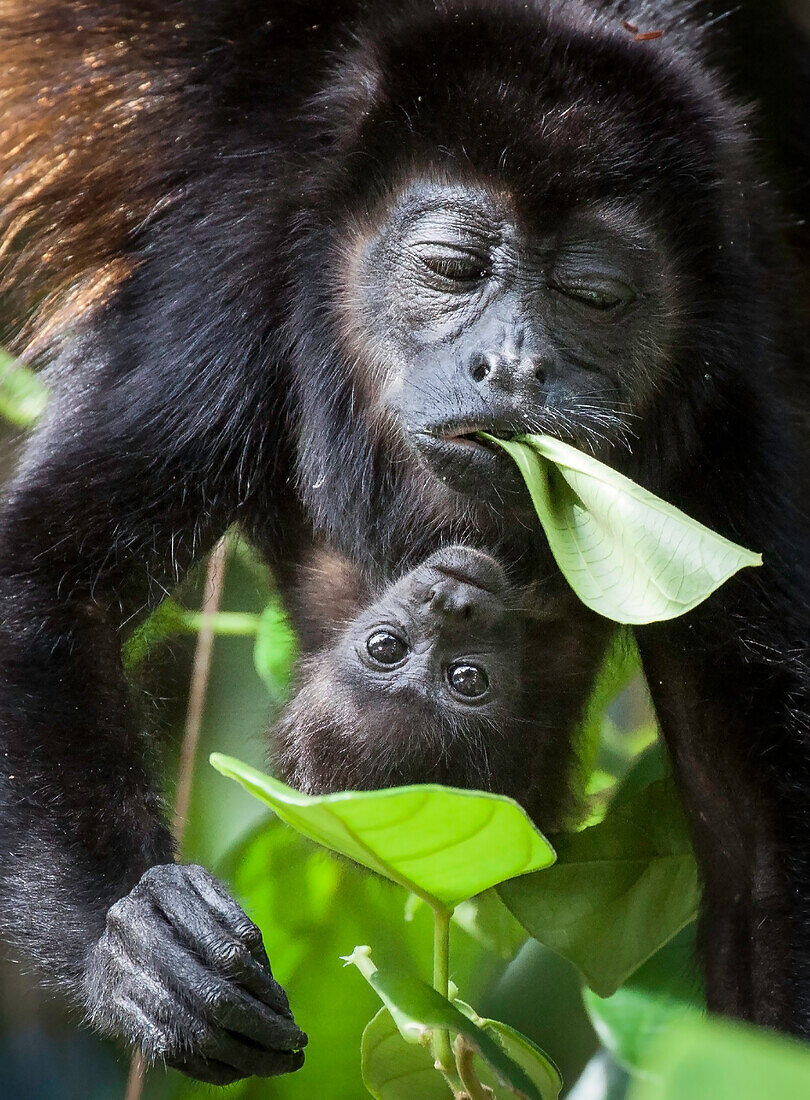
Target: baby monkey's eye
(467, 680)
(386, 648)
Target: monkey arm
(733, 699)
(157, 954)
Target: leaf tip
(219, 761)
(361, 958)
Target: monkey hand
(181, 972)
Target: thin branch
(200, 673)
(214, 581)
(473, 1088)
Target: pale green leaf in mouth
(627, 554)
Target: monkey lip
(469, 465)
(462, 445)
(469, 436)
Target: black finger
(153, 947)
(219, 1056)
(159, 1016)
(225, 1047)
(242, 1013)
(224, 947)
(199, 929)
(232, 916)
(205, 1069)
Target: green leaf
(709, 1060)
(619, 890)
(650, 766)
(165, 620)
(309, 907)
(276, 648)
(520, 1049)
(664, 991)
(443, 844)
(627, 554)
(396, 1070)
(488, 921)
(23, 394)
(417, 1009)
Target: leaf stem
(466, 1071)
(232, 623)
(442, 1051)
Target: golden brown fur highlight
(84, 102)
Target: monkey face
(537, 245)
(443, 637)
(481, 320)
(423, 686)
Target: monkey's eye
(467, 680)
(385, 648)
(457, 267)
(601, 299)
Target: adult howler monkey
(285, 259)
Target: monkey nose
(508, 373)
(453, 599)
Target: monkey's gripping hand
(181, 972)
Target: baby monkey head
(423, 686)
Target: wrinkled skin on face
(483, 320)
(449, 675)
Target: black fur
(181, 263)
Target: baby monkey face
(448, 675)
(424, 685)
(444, 636)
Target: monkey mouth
(468, 435)
(468, 464)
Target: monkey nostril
(540, 372)
(450, 600)
(479, 369)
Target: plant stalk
(466, 1071)
(198, 690)
(212, 597)
(442, 1050)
